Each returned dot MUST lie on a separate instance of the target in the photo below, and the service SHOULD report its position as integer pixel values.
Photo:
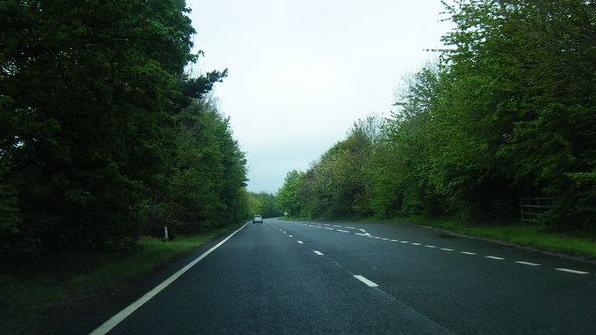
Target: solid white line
(123, 314)
(300, 242)
(467, 253)
(446, 249)
(318, 252)
(343, 231)
(572, 271)
(495, 257)
(527, 263)
(366, 281)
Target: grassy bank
(54, 283)
(534, 236)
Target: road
(283, 277)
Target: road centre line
(572, 271)
(366, 281)
(527, 263)
(318, 252)
(123, 314)
(467, 253)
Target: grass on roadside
(60, 281)
(535, 236)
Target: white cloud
(301, 72)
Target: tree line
(507, 111)
(263, 204)
(103, 135)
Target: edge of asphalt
(89, 315)
(578, 258)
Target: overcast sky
(302, 71)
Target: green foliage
(508, 112)
(103, 136)
(263, 204)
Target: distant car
(257, 219)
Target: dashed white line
(404, 242)
(430, 246)
(300, 242)
(361, 234)
(572, 271)
(446, 249)
(290, 235)
(391, 240)
(527, 263)
(328, 228)
(414, 243)
(318, 252)
(467, 253)
(377, 237)
(343, 231)
(495, 257)
(366, 281)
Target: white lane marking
(495, 257)
(414, 243)
(290, 235)
(362, 230)
(430, 246)
(391, 240)
(366, 281)
(350, 227)
(572, 271)
(467, 253)
(328, 228)
(123, 314)
(336, 226)
(360, 234)
(300, 242)
(403, 241)
(446, 249)
(343, 231)
(377, 237)
(527, 263)
(318, 252)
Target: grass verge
(53, 283)
(534, 236)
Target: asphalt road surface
(283, 277)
